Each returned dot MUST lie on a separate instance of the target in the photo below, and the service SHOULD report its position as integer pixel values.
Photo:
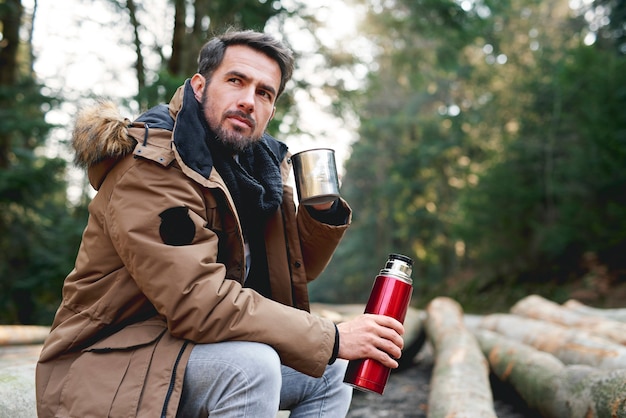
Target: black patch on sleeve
(177, 228)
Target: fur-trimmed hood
(100, 133)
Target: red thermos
(390, 296)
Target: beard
(232, 139)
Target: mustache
(241, 115)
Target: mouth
(239, 119)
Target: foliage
(490, 151)
(160, 91)
(39, 232)
(559, 192)
(403, 172)
(194, 23)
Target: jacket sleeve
(319, 240)
(157, 219)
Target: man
(189, 297)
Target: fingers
(392, 335)
(388, 322)
(392, 347)
(387, 353)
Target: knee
(240, 360)
(261, 363)
(258, 352)
(232, 377)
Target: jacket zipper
(170, 389)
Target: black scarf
(255, 184)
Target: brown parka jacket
(134, 306)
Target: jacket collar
(189, 132)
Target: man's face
(238, 101)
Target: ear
(273, 113)
(197, 84)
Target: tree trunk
(570, 345)
(460, 382)
(550, 387)
(199, 32)
(614, 314)
(139, 65)
(537, 307)
(10, 21)
(31, 30)
(176, 62)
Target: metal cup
(316, 178)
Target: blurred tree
(404, 172)
(491, 139)
(556, 188)
(195, 21)
(39, 232)
(606, 20)
(10, 18)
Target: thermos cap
(399, 265)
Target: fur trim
(100, 132)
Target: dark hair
(212, 53)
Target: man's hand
(323, 206)
(377, 337)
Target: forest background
(488, 140)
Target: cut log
(570, 345)
(537, 307)
(460, 381)
(614, 314)
(22, 334)
(552, 388)
(414, 338)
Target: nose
(246, 100)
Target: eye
(265, 94)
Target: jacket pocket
(107, 379)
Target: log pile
(564, 361)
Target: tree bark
(31, 30)
(552, 388)
(10, 21)
(570, 345)
(176, 63)
(614, 314)
(199, 32)
(537, 307)
(139, 64)
(460, 381)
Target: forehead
(251, 63)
